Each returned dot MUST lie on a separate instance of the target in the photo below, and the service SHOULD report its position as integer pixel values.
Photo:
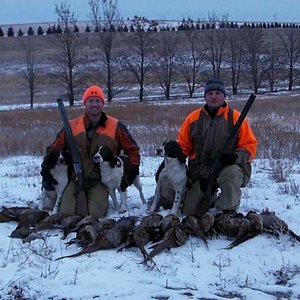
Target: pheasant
(21, 232)
(68, 223)
(109, 238)
(85, 221)
(207, 222)
(50, 222)
(265, 222)
(193, 226)
(228, 223)
(88, 233)
(175, 236)
(148, 230)
(27, 221)
(12, 213)
(249, 228)
(274, 225)
(31, 217)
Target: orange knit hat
(93, 91)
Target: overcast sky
(34, 11)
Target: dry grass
(275, 122)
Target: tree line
(245, 57)
(156, 26)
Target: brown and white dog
(170, 178)
(113, 175)
(51, 200)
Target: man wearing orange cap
(92, 129)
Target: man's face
(93, 106)
(214, 98)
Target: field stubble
(275, 122)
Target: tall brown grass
(275, 122)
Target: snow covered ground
(261, 268)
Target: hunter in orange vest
(202, 137)
(92, 129)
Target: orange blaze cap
(93, 91)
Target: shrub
(40, 31)
(20, 32)
(10, 31)
(30, 31)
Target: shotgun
(204, 206)
(81, 203)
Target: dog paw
(174, 212)
(116, 207)
(151, 211)
(54, 211)
(122, 209)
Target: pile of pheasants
(152, 234)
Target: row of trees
(242, 56)
(154, 26)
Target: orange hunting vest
(102, 136)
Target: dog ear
(182, 157)
(67, 156)
(160, 168)
(113, 162)
(166, 142)
(53, 154)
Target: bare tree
(190, 63)
(164, 60)
(290, 41)
(235, 57)
(69, 44)
(105, 14)
(255, 59)
(214, 44)
(274, 55)
(140, 44)
(31, 71)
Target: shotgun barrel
(81, 203)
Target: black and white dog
(170, 178)
(51, 200)
(113, 175)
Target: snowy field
(262, 268)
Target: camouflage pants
(229, 182)
(96, 196)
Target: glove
(227, 159)
(48, 181)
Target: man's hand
(227, 159)
(48, 181)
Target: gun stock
(204, 206)
(81, 203)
